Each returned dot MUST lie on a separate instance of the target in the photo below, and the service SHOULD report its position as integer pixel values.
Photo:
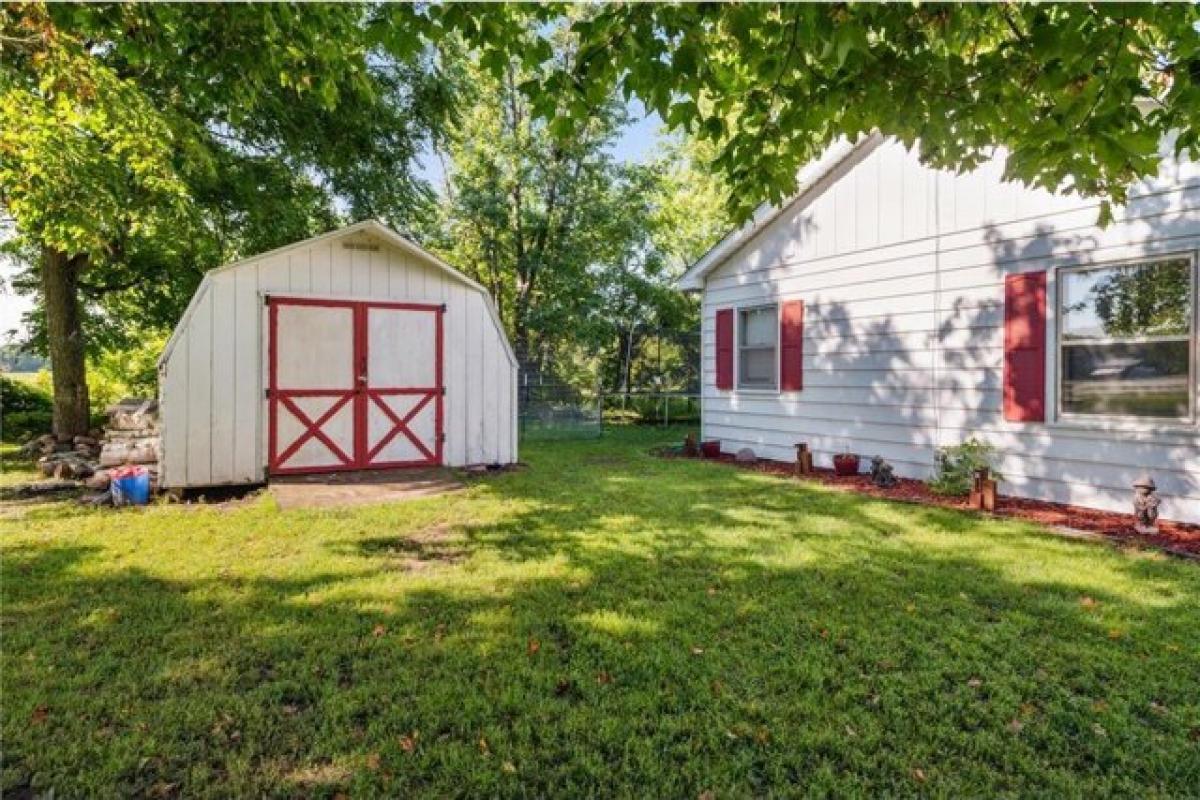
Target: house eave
(812, 181)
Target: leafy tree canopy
(141, 144)
(579, 251)
(771, 85)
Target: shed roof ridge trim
(370, 225)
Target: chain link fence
(654, 384)
(548, 408)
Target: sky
(636, 144)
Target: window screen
(758, 336)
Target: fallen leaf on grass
(697, 651)
(1088, 602)
(975, 683)
(603, 678)
(163, 789)
(1016, 726)
(1115, 633)
(707, 794)
(408, 742)
(918, 775)
(483, 747)
(373, 761)
(378, 630)
(509, 767)
(712, 590)
(533, 646)
(39, 715)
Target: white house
(352, 350)
(891, 309)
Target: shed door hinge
(443, 391)
(442, 437)
(444, 308)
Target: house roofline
(813, 179)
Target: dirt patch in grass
(432, 546)
(1179, 538)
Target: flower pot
(710, 449)
(845, 464)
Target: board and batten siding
(901, 269)
(212, 380)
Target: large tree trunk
(64, 332)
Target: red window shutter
(725, 348)
(1025, 347)
(791, 346)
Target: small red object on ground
(845, 464)
(710, 449)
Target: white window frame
(1129, 420)
(737, 348)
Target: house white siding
(214, 373)
(901, 269)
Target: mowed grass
(604, 623)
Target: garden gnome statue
(1145, 505)
(881, 473)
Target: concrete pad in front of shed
(361, 488)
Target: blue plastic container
(131, 487)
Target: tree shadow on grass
(632, 632)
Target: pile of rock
(65, 457)
(131, 437)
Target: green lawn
(604, 623)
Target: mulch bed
(1179, 538)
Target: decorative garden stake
(983, 491)
(690, 448)
(882, 473)
(1145, 505)
(803, 459)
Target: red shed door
(353, 385)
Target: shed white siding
(902, 270)
(213, 375)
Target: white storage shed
(352, 350)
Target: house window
(1127, 339)
(758, 337)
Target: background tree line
(143, 144)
